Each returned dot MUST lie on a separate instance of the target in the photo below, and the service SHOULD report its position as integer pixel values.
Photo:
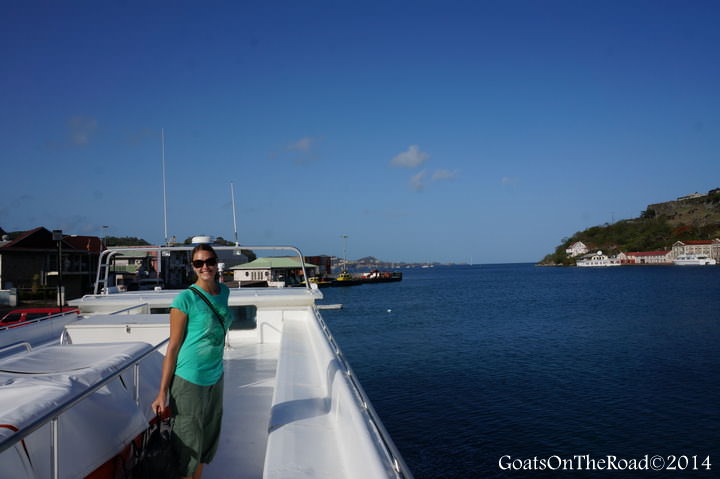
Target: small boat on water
(345, 279)
(694, 260)
(597, 260)
(75, 401)
(348, 279)
(377, 276)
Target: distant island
(370, 262)
(694, 217)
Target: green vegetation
(124, 241)
(657, 228)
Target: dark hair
(203, 247)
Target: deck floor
(249, 384)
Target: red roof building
(710, 248)
(648, 257)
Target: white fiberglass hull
(596, 264)
(691, 260)
(292, 407)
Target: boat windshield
(153, 268)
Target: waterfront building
(273, 271)
(709, 248)
(646, 257)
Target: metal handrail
(27, 345)
(65, 338)
(398, 462)
(53, 415)
(139, 305)
(37, 320)
(108, 254)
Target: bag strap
(207, 301)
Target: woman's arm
(178, 324)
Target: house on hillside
(710, 248)
(30, 262)
(576, 249)
(691, 196)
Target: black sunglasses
(198, 263)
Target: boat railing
(65, 338)
(398, 462)
(21, 344)
(144, 306)
(38, 320)
(53, 415)
(105, 260)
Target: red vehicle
(17, 316)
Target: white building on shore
(646, 257)
(709, 248)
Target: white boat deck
(249, 384)
(292, 407)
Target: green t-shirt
(200, 359)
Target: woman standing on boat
(191, 388)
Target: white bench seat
(301, 441)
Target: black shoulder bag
(155, 457)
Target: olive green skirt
(197, 416)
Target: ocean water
(474, 367)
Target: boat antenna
(162, 136)
(232, 195)
(344, 237)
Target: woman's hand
(160, 405)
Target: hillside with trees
(658, 227)
(125, 241)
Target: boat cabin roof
(259, 297)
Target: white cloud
(506, 180)
(411, 158)
(441, 175)
(417, 181)
(302, 151)
(414, 157)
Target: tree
(125, 241)
(648, 214)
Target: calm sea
(471, 366)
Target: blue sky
(425, 131)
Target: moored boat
(377, 276)
(293, 406)
(345, 279)
(597, 260)
(694, 260)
